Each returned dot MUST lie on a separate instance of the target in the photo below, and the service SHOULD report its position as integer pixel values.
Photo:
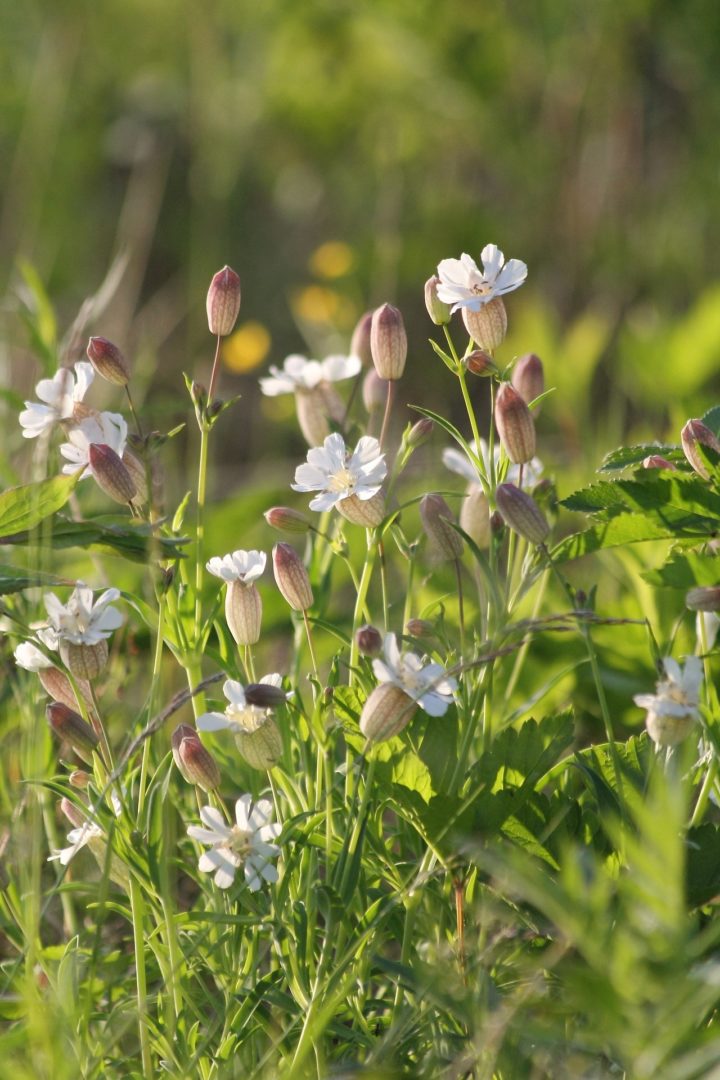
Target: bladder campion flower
(247, 843)
(105, 429)
(672, 710)
(82, 628)
(463, 285)
(243, 606)
(299, 373)
(425, 683)
(257, 736)
(58, 398)
(244, 566)
(338, 473)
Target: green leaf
(23, 508)
(14, 580)
(703, 864)
(685, 571)
(632, 528)
(132, 540)
(627, 456)
(657, 490)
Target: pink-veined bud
(522, 513)
(420, 628)
(108, 361)
(655, 461)
(84, 661)
(286, 520)
(374, 391)
(366, 512)
(420, 432)
(223, 302)
(488, 326)
(72, 813)
(695, 434)
(80, 779)
(360, 343)
(111, 475)
(71, 728)
(369, 640)
(515, 425)
(195, 762)
(56, 685)
(243, 612)
(438, 311)
(292, 578)
(388, 342)
(478, 362)
(528, 378)
(436, 516)
(703, 598)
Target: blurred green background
(333, 152)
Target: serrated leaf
(685, 571)
(648, 492)
(633, 528)
(23, 508)
(630, 456)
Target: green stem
(200, 525)
(138, 917)
(154, 681)
(361, 598)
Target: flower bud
(522, 513)
(195, 762)
(374, 391)
(366, 512)
(263, 747)
(286, 520)
(436, 516)
(291, 577)
(223, 302)
(80, 779)
(108, 361)
(420, 432)
(420, 628)
(84, 661)
(360, 343)
(265, 695)
(386, 712)
(705, 598)
(71, 728)
(71, 812)
(388, 342)
(693, 434)
(515, 425)
(369, 641)
(528, 378)
(475, 516)
(138, 475)
(243, 612)
(655, 461)
(488, 326)
(111, 475)
(438, 311)
(56, 685)
(478, 362)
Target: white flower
(247, 843)
(464, 286)
(425, 683)
(299, 373)
(457, 462)
(337, 473)
(81, 621)
(105, 428)
(238, 717)
(245, 566)
(60, 396)
(80, 836)
(29, 657)
(673, 708)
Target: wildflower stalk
(359, 823)
(135, 416)
(138, 919)
(703, 798)
(463, 386)
(154, 681)
(389, 401)
(360, 601)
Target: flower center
(247, 717)
(342, 480)
(239, 842)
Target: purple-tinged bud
(111, 475)
(56, 685)
(292, 578)
(438, 311)
(420, 628)
(388, 342)
(366, 512)
(108, 361)
(522, 513)
(243, 612)
(528, 378)
(515, 425)
(263, 747)
(386, 712)
(138, 475)
(80, 779)
(436, 516)
(478, 362)
(84, 661)
(374, 391)
(488, 326)
(475, 516)
(195, 762)
(71, 728)
(369, 641)
(360, 343)
(693, 434)
(198, 394)
(420, 432)
(71, 812)
(703, 598)
(223, 302)
(655, 461)
(286, 520)
(265, 695)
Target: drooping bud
(420, 628)
(655, 461)
(108, 361)
(286, 520)
(703, 598)
(436, 516)
(528, 378)
(292, 578)
(366, 512)
(488, 326)
(71, 728)
(261, 748)
(515, 425)
(420, 432)
(693, 434)
(475, 516)
(71, 812)
(386, 712)
(56, 685)
(195, 762)
(374, 391)
(369, 641)
(522, 513)
(84, 661)
(360, 343)
(243, 612)
(265, 695)
(478, 362)
(223, 302)
(80, 779)
(388, 342)
(438, 311)
(111, 475)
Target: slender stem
(389, 400)
(132, 410)
(461, 607)
(138, 917)
(383, 585)
(361, 598)
(460, 923)
(359, 822)
(215, 369)
(200, 526)
(704, 796)
(154, 681)
(310, 646)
